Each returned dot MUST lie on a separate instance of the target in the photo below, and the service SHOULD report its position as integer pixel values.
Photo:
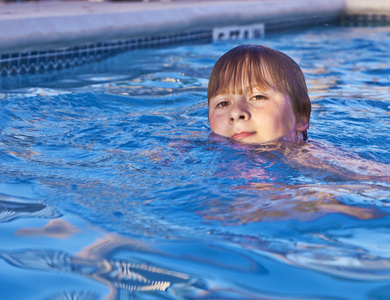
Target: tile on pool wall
(365, 20)
(48, 60)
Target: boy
(258, 95)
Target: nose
(239, 112)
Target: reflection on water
(55, 229)
(116, 274)
(298, 202)
(12, 208)
(96, 261)
(138, 200)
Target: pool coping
(43, 36)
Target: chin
(251, 140)
(257, 140)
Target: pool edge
(89, 31)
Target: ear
(302, 124)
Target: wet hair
(252, 66)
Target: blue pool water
(113, 187)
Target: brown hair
(255, 65)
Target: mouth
(242, 135)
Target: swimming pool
(113, 186)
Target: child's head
(256, 95)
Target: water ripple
(12, 208)
(126, 144)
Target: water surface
(113, 187)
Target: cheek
(274, 120)
(267, 117)
(288, 117)
(284, 117)
(217, 121)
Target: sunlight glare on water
(113, 187)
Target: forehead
(247, 88)
(244, 75)
(250, 91)
(245, 84)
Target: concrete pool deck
(32, 25)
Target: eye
(223, 104)
(259, 97)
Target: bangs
(238, 74)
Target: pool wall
(366, 13)
(44, 36)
